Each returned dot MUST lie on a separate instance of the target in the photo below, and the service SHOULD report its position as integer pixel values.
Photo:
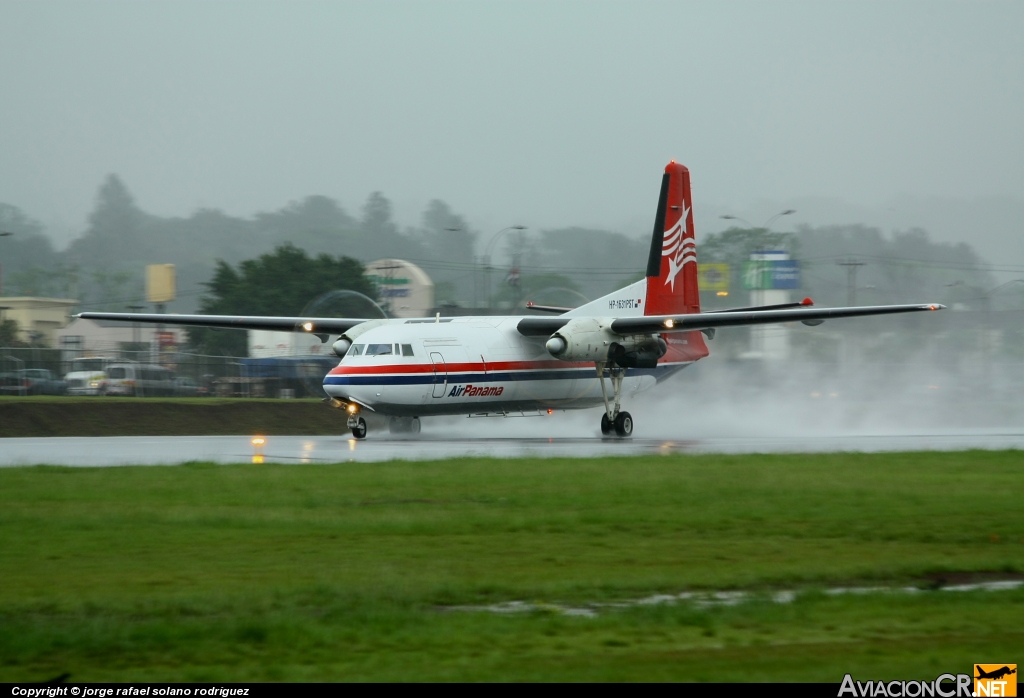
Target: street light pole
(767, 226)
(487, 257)
(136, 330)
(3, 234)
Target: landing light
(258, 441)
(670, 323)
(308, 326)
(353, 408)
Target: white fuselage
(470, 365)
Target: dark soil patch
(166, 417)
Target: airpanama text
(475, 390)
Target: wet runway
(166, 450)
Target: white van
(140, 380)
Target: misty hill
(105, 265)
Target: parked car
(40, 381)
(186, 387)
(11, 383)
(140, 380)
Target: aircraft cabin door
(440, 374)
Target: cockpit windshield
(379, 349)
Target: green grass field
(346, 572)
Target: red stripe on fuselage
(489, 367)
(675, 354)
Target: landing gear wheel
(359, 430)
(404, 425)
(624, 424)
(606, 425)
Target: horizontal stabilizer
(547, 308)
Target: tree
(28, 252)
(9, 334)
(281, 282)
(448, 246)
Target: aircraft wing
(699, 321)
(314, 325)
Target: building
(769, 275)
(405, 290)
(38, 319)
(85, 337)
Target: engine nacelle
(591, 339)
(341, 347)
(638, 352)
(345, 341)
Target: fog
(892, 383)
(542, 114)
(234, 127)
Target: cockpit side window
(356, 350)
(407, 350)
(378, 349)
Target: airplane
(617, 346)
(995, 673)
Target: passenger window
(356, 350)
(407, 350)
(378, 349)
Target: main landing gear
(404, 425)
(612, 419)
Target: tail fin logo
(679, 249)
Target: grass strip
(207, 572)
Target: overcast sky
(541, 113)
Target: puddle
(707, 599)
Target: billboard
(713, 276)
(762, 275)
(160, 287)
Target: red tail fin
(672, 265)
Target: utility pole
(3, 234)
(851, 279)
(136, 330)
(388, 285)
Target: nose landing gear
(612, 419)
(358, 426)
